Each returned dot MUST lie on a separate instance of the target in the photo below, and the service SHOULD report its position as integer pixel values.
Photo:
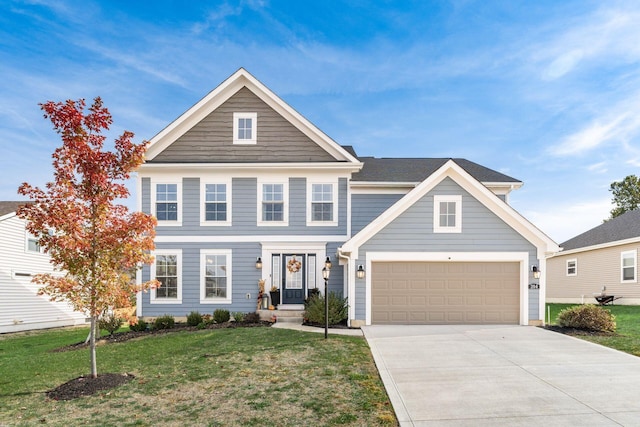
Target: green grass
(627, 337)
(226, 377)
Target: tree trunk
(92, 346)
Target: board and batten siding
(21, 308)
(412, 231)
(367, 207)
(211, 140)
(595, 269)
(244, 213)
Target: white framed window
(572, 267)
(273, 203)
(245, 128)
(32, 245)
(166, 200)
(215, 276)
(447, 214)
(628, 261)
(215, 203)
(322, 204)
(167, 269)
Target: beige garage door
(445, 292)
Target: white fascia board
(345, 169)
(7, 216)
(247, 239)
(596, 247)
(221, 94)
(474, 188)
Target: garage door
(445, 292)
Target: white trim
(521, 257)
(278, 248)
(437, 199)
(204, 181)
(596, 247)
(254, 128)
(634, 255)
(7, 216)
(511, 217)
(154, 187)
(285, 202)
(203, 266)
(226, 90)
(575, 267)
(249, 238)
(178, 300)
(250, 169)
(334, 201)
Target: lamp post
(325, 275)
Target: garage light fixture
(535, 271)
(360, 272)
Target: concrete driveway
(503, 376)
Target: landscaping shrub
(164, 322)
(110, 322)
(138, 327)
(221, 316)
(207, 319)
(194, 318)
(588, 317)
(314, 309)
(251, 318)
(238, 316)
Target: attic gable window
(447, 214)
(245, 128)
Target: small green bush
(140, 326)
(110, 323)
(194, 318)
(221, 316)
(314, 309)
(238, 316)
(251, 318)
(588, 317)
(164, 322)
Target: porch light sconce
(327, 263)
(360, 272)
(535, 271)
(259, 263)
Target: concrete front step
(289, 316)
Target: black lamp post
(325, 275)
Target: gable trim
(226, 90)
(474, 188)
(596, 247)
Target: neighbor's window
(167, 202)
(166, 270)
(572, 267)
(215, 284)
(32, 244)
(628, 266)
(244, 128)
(272, 202)
(447, 216)
(322, 202)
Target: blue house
(246, 189)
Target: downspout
(350, 285)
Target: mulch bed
(86, 386)
(578, 332)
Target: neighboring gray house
(242, 177)
(606, 255)
(21, 308)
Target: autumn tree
(93, 240)
(626, 195)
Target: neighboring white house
(21, 308)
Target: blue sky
(546, 91)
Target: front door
(293, 275)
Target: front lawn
(225, 377)
(627, 336)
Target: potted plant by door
(275, 296)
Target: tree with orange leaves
(93, 241)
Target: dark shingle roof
(625, 226)
(418, 169)
(8, 207)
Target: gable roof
(418, 169)
(623, 227)
(226, 90)
(476, 189)
(10, 207)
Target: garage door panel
(447, 292)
